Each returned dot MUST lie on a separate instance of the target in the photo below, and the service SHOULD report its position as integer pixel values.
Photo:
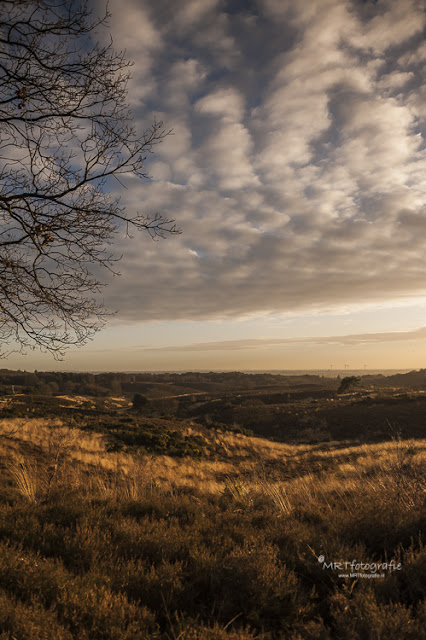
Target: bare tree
(65, 133)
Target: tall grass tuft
(29, 478)
(277, 494)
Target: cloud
(297, 166)
(389, 25)
(226, 151)
(261, 343)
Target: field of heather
(252, 539)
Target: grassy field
(238, 543)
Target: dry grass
(287, 474)
(27, 478)
(112, 546)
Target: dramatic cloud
(297, 166)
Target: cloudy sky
(297, 172)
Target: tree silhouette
(65, 132)
(348, 383)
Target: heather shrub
(361, 617)
(29, 621)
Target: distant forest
(116, 383)
(104, 384)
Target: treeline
(104, 384)
(55, 383)
(273, 387)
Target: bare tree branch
(65, 131)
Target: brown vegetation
(112, 545)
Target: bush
(139, 401)
(348, 383)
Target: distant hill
(415, 380)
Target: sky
(297, 172)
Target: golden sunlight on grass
(112, 545)
(289, 474)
